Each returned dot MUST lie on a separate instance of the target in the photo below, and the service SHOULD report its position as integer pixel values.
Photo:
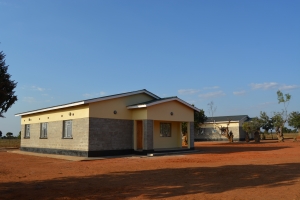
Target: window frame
(27, 131)
(44, 126)
(161, 129)
(66, 124)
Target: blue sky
(234, 53)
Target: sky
(234, 53)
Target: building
(133, 122)
(210, 132)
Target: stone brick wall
(191, 135)
(148, 134)
(55, 140)
(110, 134)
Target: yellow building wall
(162, 111)
(139, 114)
(105, 109)
(167, 142)
(77, 112)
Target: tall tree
(7, 86)
(294, 120)
(285, 99)
(266, 122)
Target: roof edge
(143, 105)
(89, 101)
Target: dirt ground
(267, 170)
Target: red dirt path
(267, 170)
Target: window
(165, 129)
(44, 130)
(27, 131)
(67, 132)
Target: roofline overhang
(163, 101)
(87, 102)
(218, 122)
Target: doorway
(139, 135)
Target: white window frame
(27, 131)
(44, 130)
(67, 129)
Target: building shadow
(155, 184)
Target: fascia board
(220, 122)
(163, 101)
(87, 102)
(52, 108)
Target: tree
(7, 86)
(211, 109)
(278, 120)
(266, 122)
(285, 99)
(199, 118)
(0, 133)
(294, 120)
(252, 126)
(9, 134)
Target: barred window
(165, 129)
(44, 130)
(27, 131)
(67, 132)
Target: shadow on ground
(161, 183)
(225, 148)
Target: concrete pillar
(190, 135)
(147, 134)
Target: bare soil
(266, 170)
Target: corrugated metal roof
(227, 118)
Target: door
(139, 135)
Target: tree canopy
(266, 121)
(294, 120)
(7, 86)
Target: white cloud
(187, 91)
(91, 95)
(272, 85)
(288, 87)
(240, 93)
(29, 99)
(264, 86)
(38, 88)
(211, 88)
(212, 94)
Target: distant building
(210, 131)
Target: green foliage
(199, 118)
(184, 128)
(278, 119)
(266, 121)
(7, 86)
(252, 126)
(285, 100)
(9, 134)
(281, 98)
(294, 120)
(19, 136)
